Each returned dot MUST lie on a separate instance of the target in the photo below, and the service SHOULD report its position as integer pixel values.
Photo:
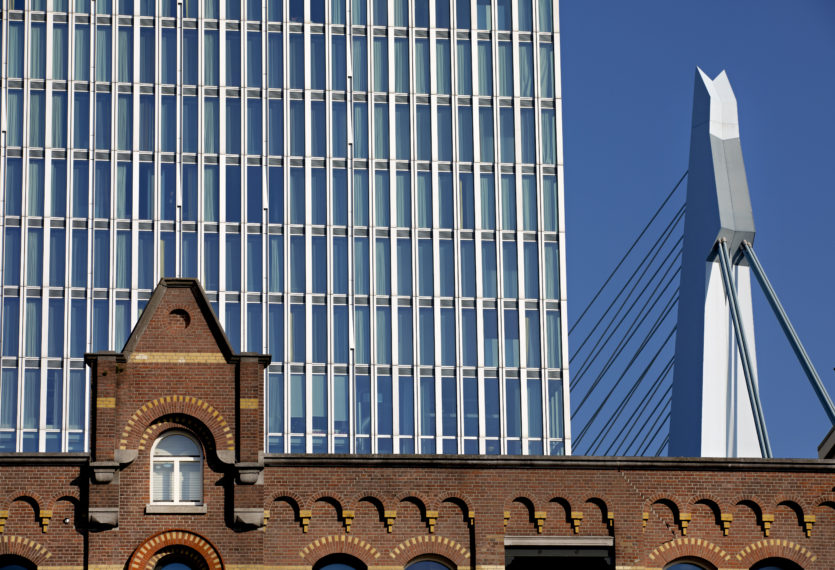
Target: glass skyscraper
(369, 190)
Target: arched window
(427, 565)
(776, 564)
(689, 565)
(339, 562)
(13, 562)
(176, 470)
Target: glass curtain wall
(369, 191)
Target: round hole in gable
(179, 319)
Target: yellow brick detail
(105, 402)
(249, 403)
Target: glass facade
(369, 190)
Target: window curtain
(381, 64)
(253, 327)
(362, 335)
(546, 16)
(511, 338)
(124, 194)
(465, 76)
(508, 202)
(37, 118)
(10, 326)
(549, 136)
(422, 68)
(442, 65)
(275, 403)
(404, 200)
(163, 481)
(401, 65)
(191, 483)
(211, 182)
(8, 400)
(531, 255)
(485, 68)
(382, 268)
(532, 339)
(102, 121)
(488, 269)
(337, 11)
(59, 188)
(552, 321)
(424, 199)
(253, 266)
(125, 66)
(59, 119)
(427, 407)
(319, 396)
(552, 270)
(525, 69)
(383, 335)
(103, 51)
(546, 69)
(121, 324)
(31, 399)
(15, 107)
(488, 202)
(211, 53)
(529, 203)
(360, 130)
(506, 131)
(34, 258)
(125, 121)
(382, 198)
(505, 69)
(32, 340)
(381, 130)
(75, 404)
(36, 187)
(212, 125)
(123, 264)
(485, 120)
(276, 264)
(509, 267)
(360, 62)
(15, 55)
(37, 51)
(403, 129)
(362, 276)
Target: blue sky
(627, 77)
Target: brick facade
(178, 372)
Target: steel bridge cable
(634, 423)
(614, 387)
(642, 267)
(658, 211)
(598, 348)
(665, 400)
(663, 444)
(617, 383)
(639, 409)
(645, 312)
(655, 433)
(610, 423)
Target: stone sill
(161, 509)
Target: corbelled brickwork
(178, 372)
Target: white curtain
(362, 328)
(82, 52)
(191, 483)
(552, 270)
(508, 202)
(381, 131)
(488, 202)
(297, 403)
(505, 69)
(103, 52)
(162, 481)
(382, 267)
(382, 198)
(211, 184)
(424, 199)
(532, 339)
(552, 321)
(31, 398)
(443, 66)
(212, 115)
(124, 132)
(59, 119)
(404, 200)
(37, 51)
(546, 70)
(16, 35)
(124, 195)
(125, 67)
(360, 130)
(485, 68)
(549, 136)
(422, 68)
(32, 341)
(36, 187)
(381, 64)
(123, 264)
(525, 69)
(276, 264)
(383, 335)
(8, 399)
(121, 324)
(15, 133)
(34, 261)
(75, 405)
(465, 76)
(37, 118)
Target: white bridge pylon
(716, 408)
(712, 412)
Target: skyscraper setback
(370, 191)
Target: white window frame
(176, 460)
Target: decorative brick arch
(414, 547)
(178, 542)
(776, 548)
(144, 416)
(25, 494)
(425, 503)
(25, 548)
(339, 544)
(71, 495)
(684, 547)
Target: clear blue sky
(627, 77)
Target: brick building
(177, 476)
